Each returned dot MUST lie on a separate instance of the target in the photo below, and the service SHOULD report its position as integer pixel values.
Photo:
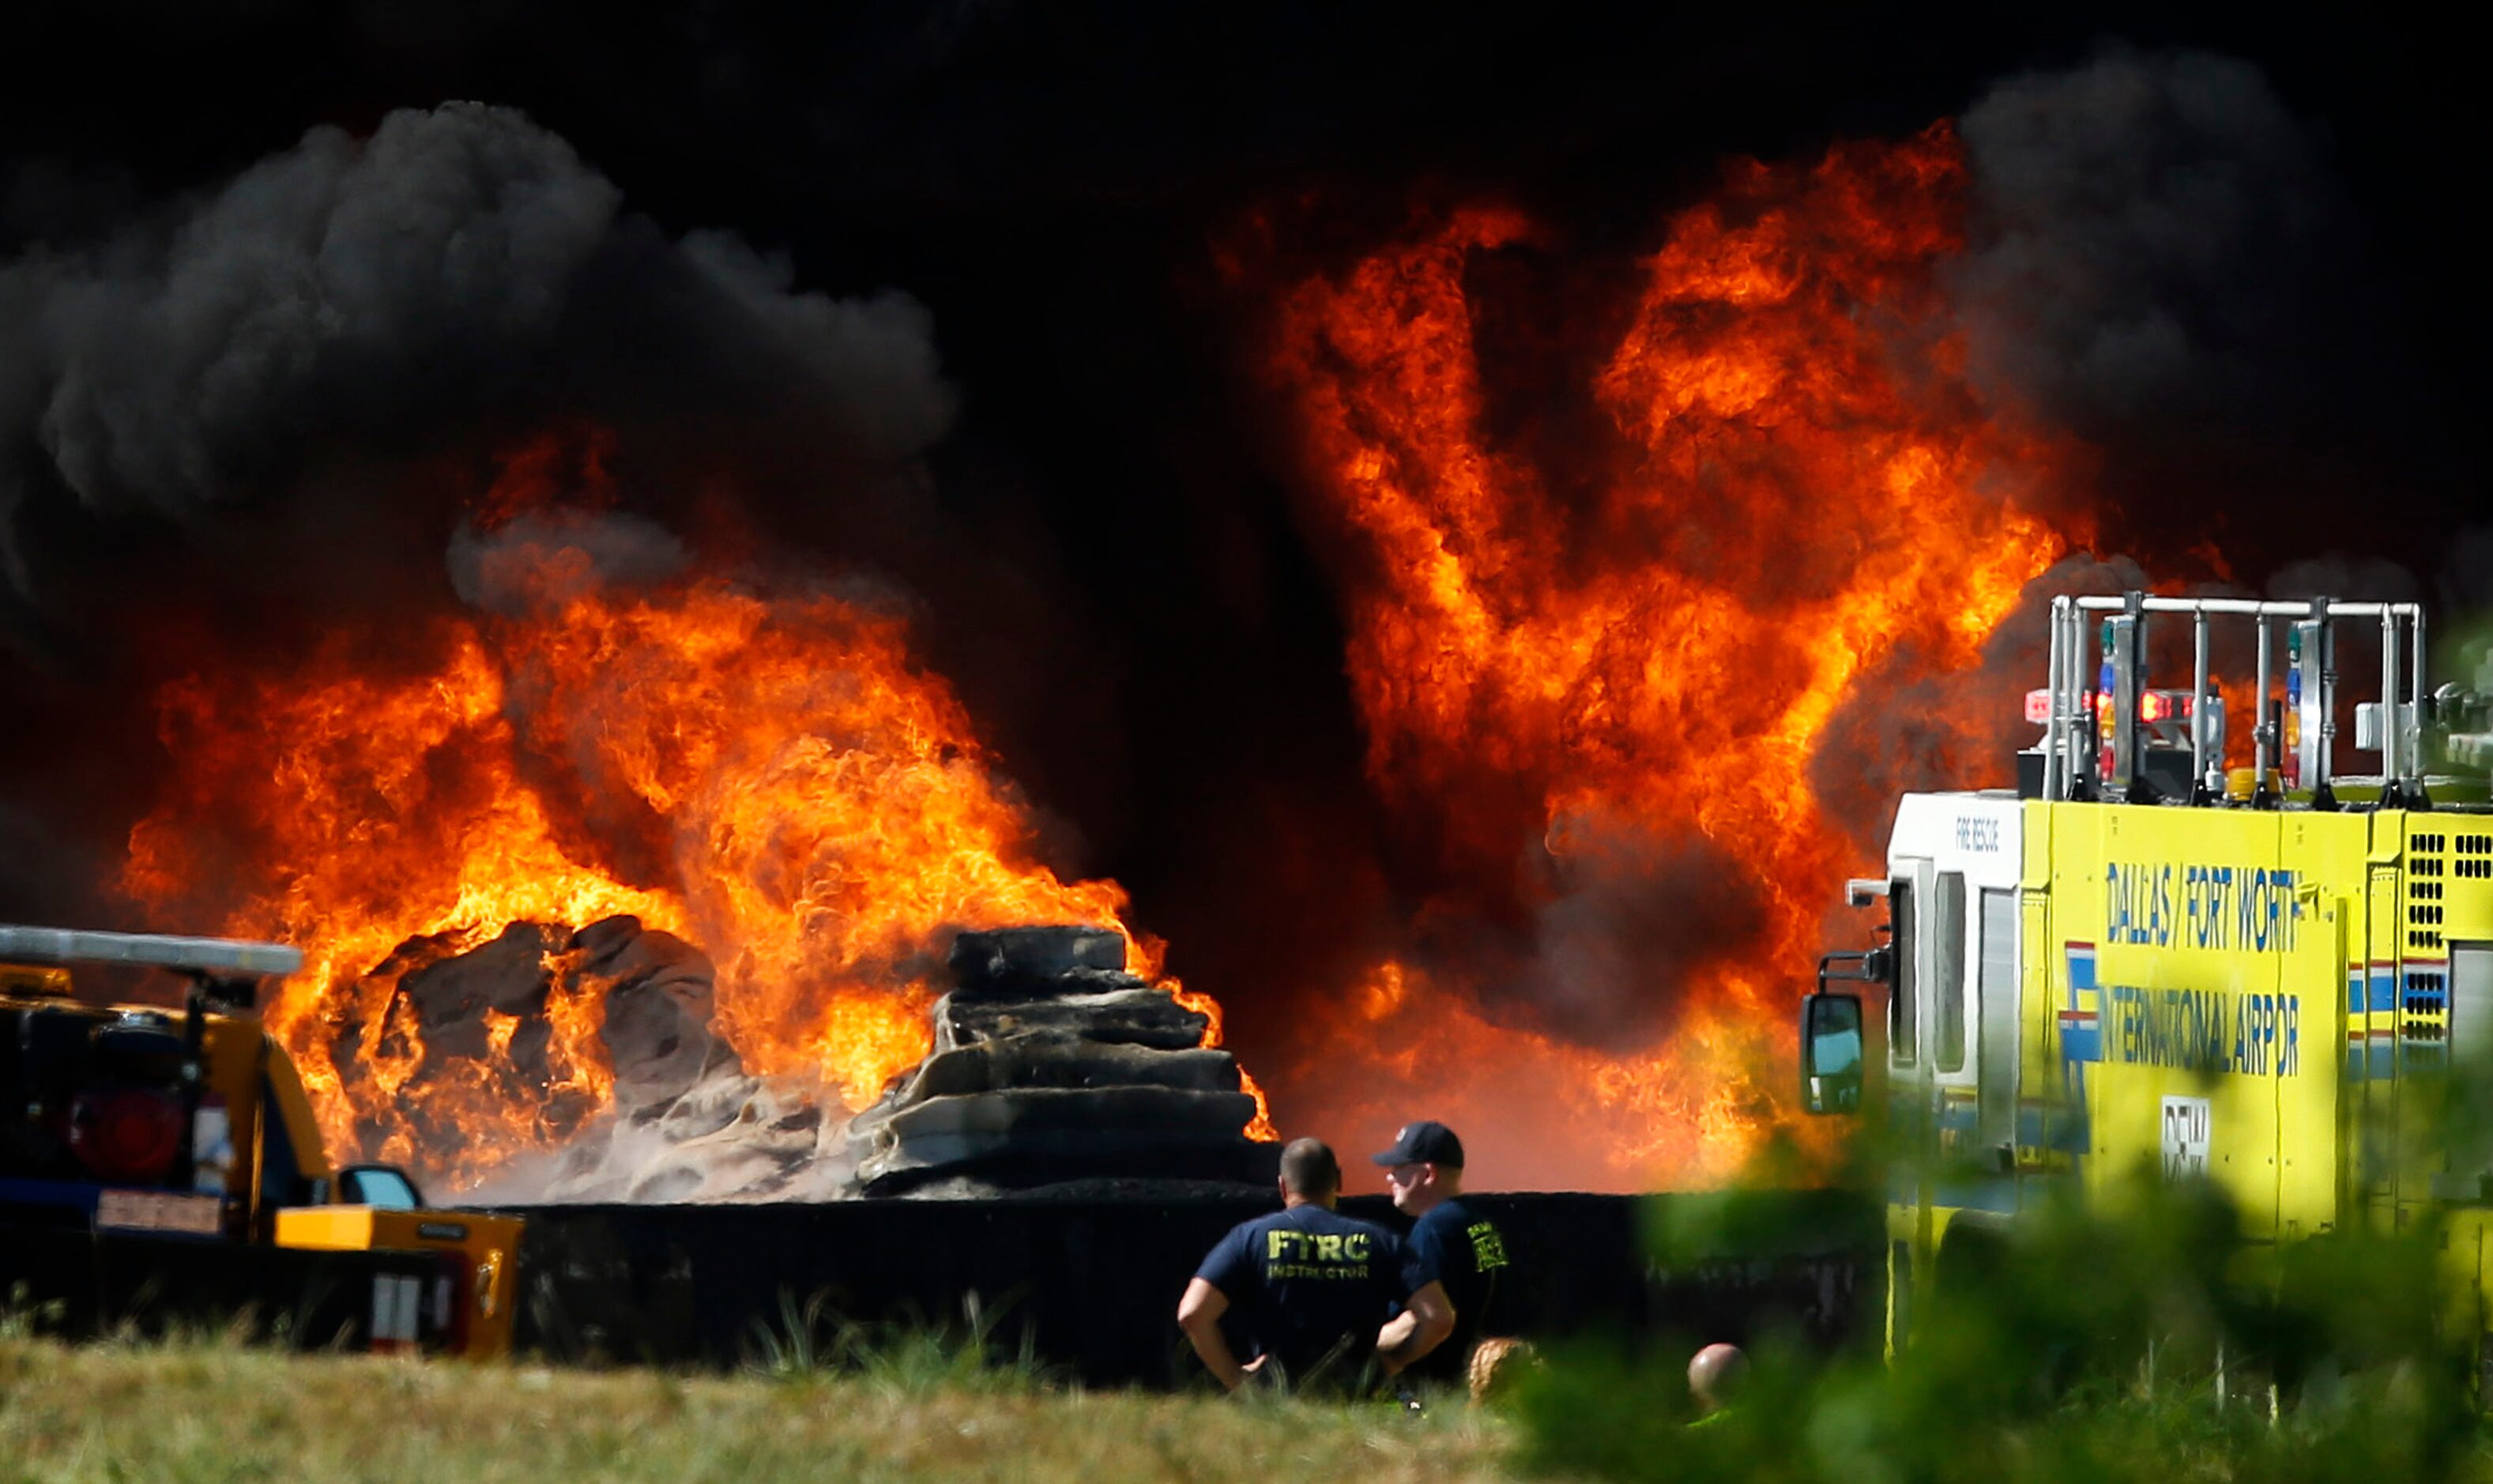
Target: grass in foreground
(208, 1410)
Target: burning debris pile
(485, 1013)
(1054, 1066)
(682, 1118)
(768, 814)
(1053, 1069)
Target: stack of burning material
(1055, 1070)
(680, 1118)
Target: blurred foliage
(21, 1317)
(913, 1358)
(2135, 1338)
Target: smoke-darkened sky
(939, 286)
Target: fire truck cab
(2137, 957)
(164, 1157)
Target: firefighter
(1452, 1244)
(1305, 1287)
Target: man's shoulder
(1254, 1225)
(1464, 1238)
(1231, 1260)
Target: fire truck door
(1929, 1032)
(1997, 998)
(1906, 1053)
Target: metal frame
(2069, 741)
(68, 945)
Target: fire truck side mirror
(1831, 1061)
(382, 1187)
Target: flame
(1802, 490)
(770, 776)
(1518, 1096)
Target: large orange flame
(1803, 489)
(770, 776)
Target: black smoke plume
(457, 271)
(2166, 261)
(241, 413)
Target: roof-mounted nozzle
(224, 971)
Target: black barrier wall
(79, 1284)
(1095, 1283)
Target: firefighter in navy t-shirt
(1306, 1290)
(1452, 1243)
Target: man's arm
(1427, 1318)
(1200, 1314)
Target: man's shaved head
(1310, 1171)
(1715, 1374)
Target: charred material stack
(1054, 1070)
(683, 1120)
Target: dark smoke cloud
(2465, 579)
(2355, 578)
(458, 269)
(1599, 934)
(332, 283)
(2144, 223)
(2164, 260)
(868, 364)
(544, 559)
(1632, 919)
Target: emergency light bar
(2163, 705)
(225, 956)
(2153, 705)
(2101, 721)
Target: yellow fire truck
(169, 1161)
(2269, 977)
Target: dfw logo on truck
(2218, 908)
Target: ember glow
(1562, 691)
(767, 775)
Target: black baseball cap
(1424, 1143)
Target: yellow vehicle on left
(158, 1161)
